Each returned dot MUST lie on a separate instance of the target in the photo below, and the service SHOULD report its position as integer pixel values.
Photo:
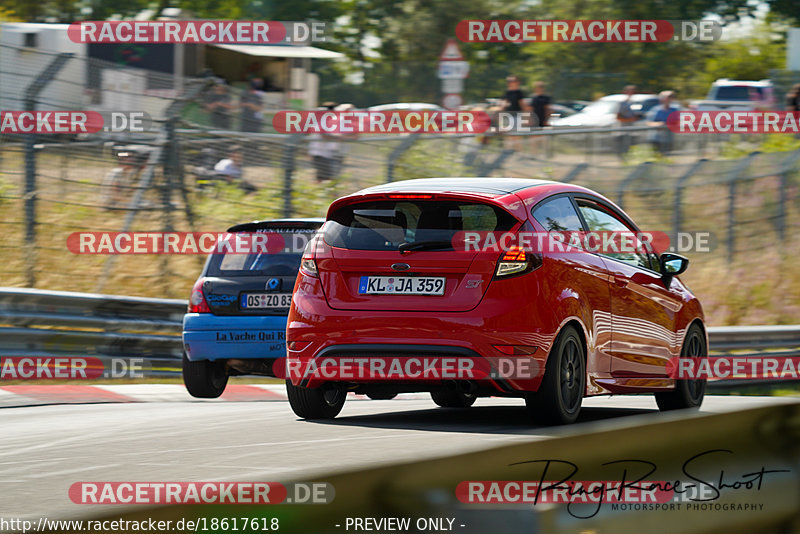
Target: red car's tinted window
(384, 225)
(558, 215)
(599, 219)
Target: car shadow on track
(477, 419)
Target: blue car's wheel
(204, 379)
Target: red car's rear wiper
(424, 245)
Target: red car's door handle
(621, 282)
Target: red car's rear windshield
(385, 224)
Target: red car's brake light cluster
(308, 264)
(513, 261)
(197, 300)
(516, 260)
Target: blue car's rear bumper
(219, 337)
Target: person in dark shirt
(250, 104)
(793, 98)
(513, 99)
(540, 104)
(219, 105)
(514, 104)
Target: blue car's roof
(256, 225)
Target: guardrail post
(635, 174)
(732, 179)
(395, 154)
(677, 212)
(31, 92)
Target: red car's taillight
(197, 300)
(308, 264)
(517, 260)
(513, 261)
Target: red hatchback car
(421, 271)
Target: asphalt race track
(46, 448)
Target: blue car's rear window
(280, 262)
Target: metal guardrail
(60, 323)
(35, 322)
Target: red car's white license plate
(401, 285)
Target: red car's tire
(453, 399)
(560, 395)
(687, 394)
(315, 403)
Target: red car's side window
(599, 219)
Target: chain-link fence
(186, 174)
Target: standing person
(626, 116)
(514, 104)
(219, 105)
(793, 98)
(324, 153)
(513, 100)
(662, 137)
(250, 105)
(540, 104)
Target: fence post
(787, 167)
(732, 179)
(486, 169)
(288, 158)
(395, 154)
(677, 214)
(31, 93)
(579, 168)
(635, 174)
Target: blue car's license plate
(265, 300)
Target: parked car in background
(575, 105)
(236, 320)
(407, 106)
(602, 113)
(558, 111)
(738, 95)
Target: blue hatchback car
(236, 320)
